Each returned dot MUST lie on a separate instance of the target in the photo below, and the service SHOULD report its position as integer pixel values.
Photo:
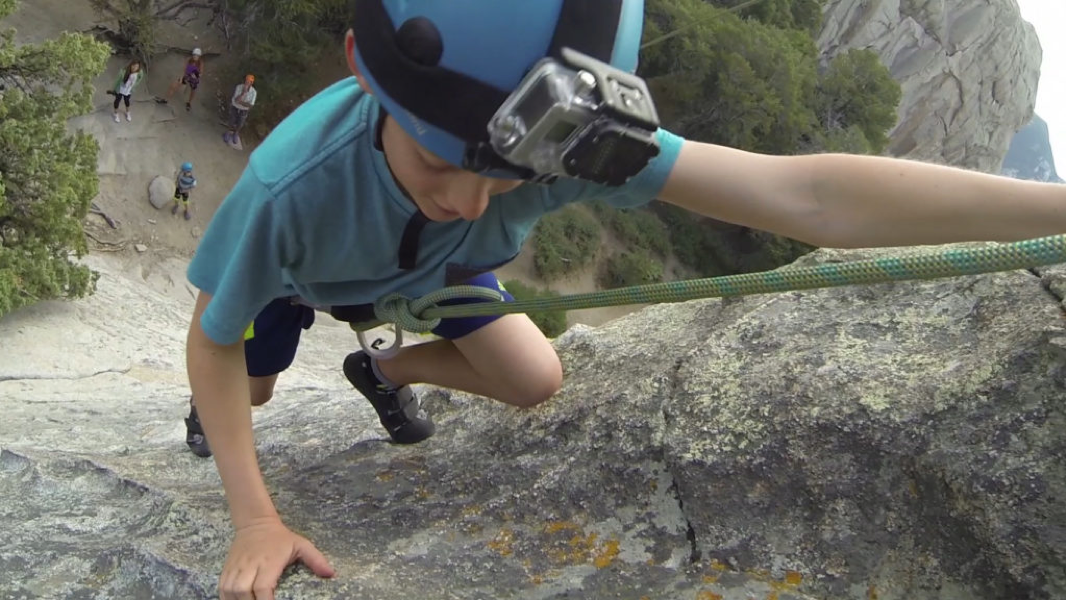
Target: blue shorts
(271, 340)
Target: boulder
(161, 191)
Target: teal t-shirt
(316, 214)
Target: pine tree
(47, 173)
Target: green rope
(423, 314)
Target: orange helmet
(249, 78)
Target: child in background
(183, 185)
(243, 100)
(191, 74)
(124, 85)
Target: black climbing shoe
(398, 409)
(194, 435)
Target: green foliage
(786, 14)
(136, 21)
(636, 228)
(636, 267)
(851, 140)
(729, 81)
(552, 323)
(857, 91)
(564, 242)
(746, 74)
(712, 248)
(47, 174)
(284, 42)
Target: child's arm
(217, 375)
(262, 544)
(849, 201)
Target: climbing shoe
(194, 435)
(398, 409)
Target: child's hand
(258, 555)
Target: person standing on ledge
(242, 101)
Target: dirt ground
(163, 136)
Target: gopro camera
(578, 118)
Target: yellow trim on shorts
(250, 332)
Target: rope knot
(406, 313)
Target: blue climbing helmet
(186, 167)
(521, 89)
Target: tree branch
(105, 6)
(175, 9)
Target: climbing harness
(424, 314)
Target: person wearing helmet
(241, 102)
(191, 74)
(183, 184)
(463, 124)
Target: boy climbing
(183, 184)
(465, 122)
(242, 101)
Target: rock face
(896, 442)
(968, 69)
(1030, 155)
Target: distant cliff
(968, 71)
(1030, 155)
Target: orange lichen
(582, 548)
(791, 582)
(502, 542)
(385, 476)
(710, 579)
(606, 555)
(705, 595)
(718, 566)
(871, 593)
(557, 526)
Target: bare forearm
(219, 381)
(849, 201)
(873, 201)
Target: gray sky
(1049, 18)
